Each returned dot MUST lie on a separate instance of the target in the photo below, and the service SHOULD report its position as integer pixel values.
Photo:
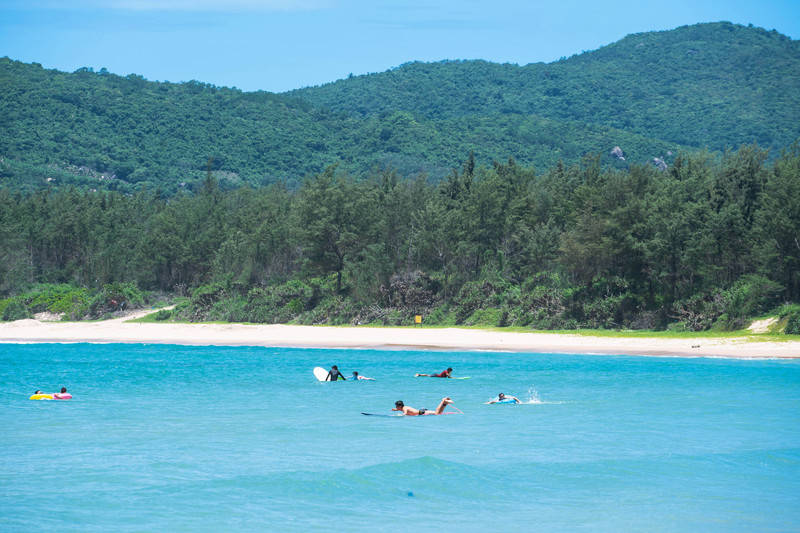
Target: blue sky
(277, 45)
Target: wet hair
(336, 367)
(500, 395)
(399, 403)
(38, 392)
(355, 373)
(449, 369)
(63, 390)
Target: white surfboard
(320, 373)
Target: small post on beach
(418, 320)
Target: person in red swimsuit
(442, 374)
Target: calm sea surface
(177, 438)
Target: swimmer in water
(442, 374)
(410, 411)
(63, 395)
(334, 374)
(502, 398)
(356, 377)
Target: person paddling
(410, 411)
(502, 398)
(356, 377)
(443, 374)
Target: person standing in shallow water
(334, 374)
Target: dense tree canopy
(708, 241)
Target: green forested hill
(714, 85)
(709, 85)
(85, 127)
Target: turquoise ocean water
(178, 438)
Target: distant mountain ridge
(710, 85)
(716, 85)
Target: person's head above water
(399, 404)
(63, 390)
(38, 392)
(501, 395)
(335, 367)
(355, 373)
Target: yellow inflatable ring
(41, 397)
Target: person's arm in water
(516, 400)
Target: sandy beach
(123, 331)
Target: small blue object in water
(410, 494)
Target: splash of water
(533, 396)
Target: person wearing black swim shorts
(410, 411)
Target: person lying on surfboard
(442, 374)
(356, 377)
(334, 374)
(410, 411)
(502, 398)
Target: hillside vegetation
(704, 245)
(710, 85)
(468, 192)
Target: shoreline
(121, 330)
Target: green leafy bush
(14, 309)
(750, 296)
(115, 297)
(279, 303)
(790, 315)
(61, 298)
(492, 317)
(163, 314)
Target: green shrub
(60, 298)
(335, 310)
(678, 327)
(476, 295)
(492, 316)
(440, 316)
(231, 309)
(750, 296)
(163, 314)
(279, 303)
(15, 309)
(791, 315)
(116, 297)
(698, 312)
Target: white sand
(120, 330)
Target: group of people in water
(63, 395)
(334, 374)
